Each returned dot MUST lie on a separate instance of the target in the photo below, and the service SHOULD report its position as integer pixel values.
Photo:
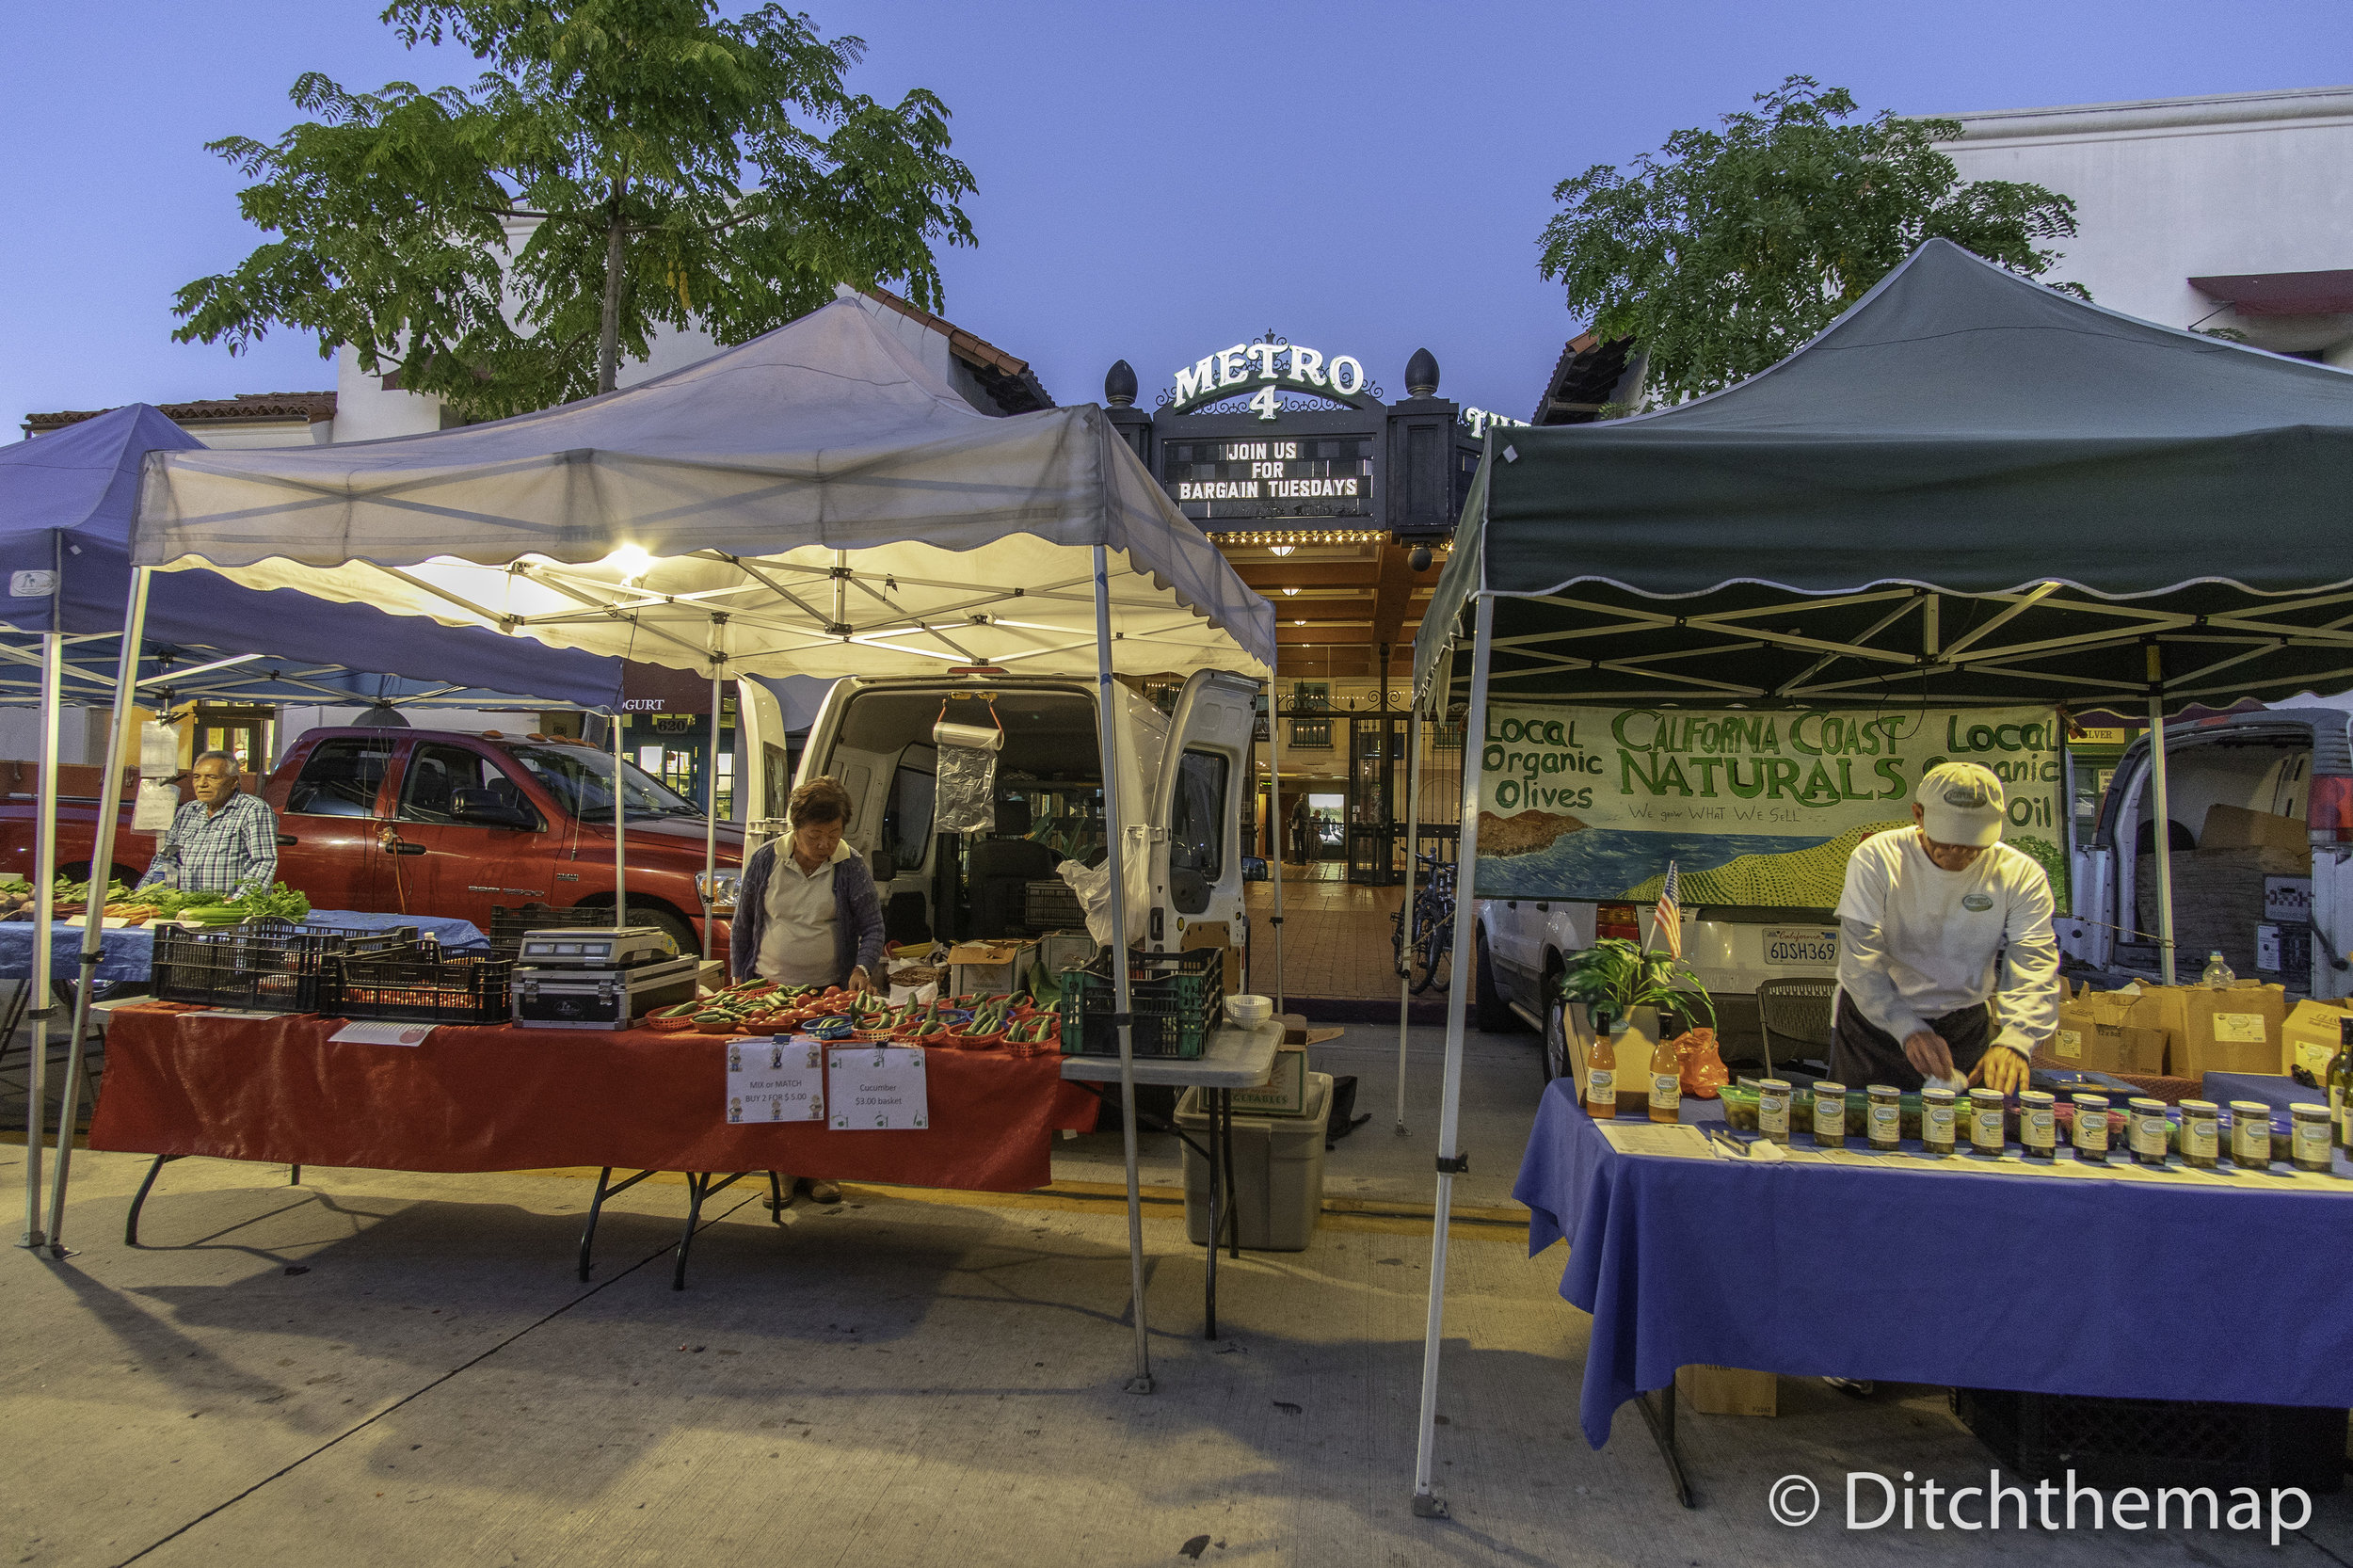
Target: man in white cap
(1938, 920)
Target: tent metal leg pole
(1275, 830)
(711, 797)
(1405, 908)
(2164, 826)
(1107, 731)
(44, 913)
(1426, 1503)
(620, 832)
(101, 860)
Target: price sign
(775, 1081)
(877, 1088)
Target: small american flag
(1667, 919)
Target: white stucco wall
(2175, 188)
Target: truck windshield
(583, 780)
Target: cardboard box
(992, 968)
(1285, 1090)
(1216, 933)
(2235, 1029)
(2236, 827)
(2109, 1032)
(2310, 1037)
(1728, 1391)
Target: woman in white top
(1938, 922)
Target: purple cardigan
(857, 922)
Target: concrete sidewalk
(376, 1368)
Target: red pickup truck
(474, 820)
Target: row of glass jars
(2148, 1133)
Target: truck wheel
(1491, 1014)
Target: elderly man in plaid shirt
(222, 842)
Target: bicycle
(1425, 960)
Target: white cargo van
(1182, 777)
(2260, 809)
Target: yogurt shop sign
(1271, 368)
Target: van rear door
(1198, 806)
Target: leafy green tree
(621, 165)
(1727, 249)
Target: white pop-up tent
(815, 502)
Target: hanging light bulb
(631, 561)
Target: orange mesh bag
(1703, 1071)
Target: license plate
(1805, 947)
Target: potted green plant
(1618, 986)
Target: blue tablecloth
(126, 952)
(2036, 1283)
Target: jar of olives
(2250, 1135)
(1772, 1110)
(2147, 1129)
(2038, 1123)
(1985, 1120)
(2307, 1137)
(2091, 1128)
(1830, 1115)
(1884, 1117)
(1939, 1120)
(2200, 1141)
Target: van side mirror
(884, 865)
(1254, 868)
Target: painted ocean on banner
(1758, 808)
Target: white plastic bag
(158, 803)
(1093, 884)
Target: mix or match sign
(775, 1081)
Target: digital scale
(598, 977)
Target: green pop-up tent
(1968, 490)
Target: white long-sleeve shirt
(1917, 941)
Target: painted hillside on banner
(1760, 808)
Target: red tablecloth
(508, 1100)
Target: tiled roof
(311, 407)
(1009, 382)
(1590, 373)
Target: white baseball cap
(1962, 802)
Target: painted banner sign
(1756, 809)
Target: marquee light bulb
(1291, 593)
(1279, 550)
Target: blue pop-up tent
(66, 503)
(67, 500)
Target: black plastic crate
(1175, 1000)
(2155, 1442)
(507, 927)
(419, 987)
(272, 967)
(1051, 904)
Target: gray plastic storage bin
(1278, 1171)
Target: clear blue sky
(1156, 181)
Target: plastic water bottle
(2217, 976)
